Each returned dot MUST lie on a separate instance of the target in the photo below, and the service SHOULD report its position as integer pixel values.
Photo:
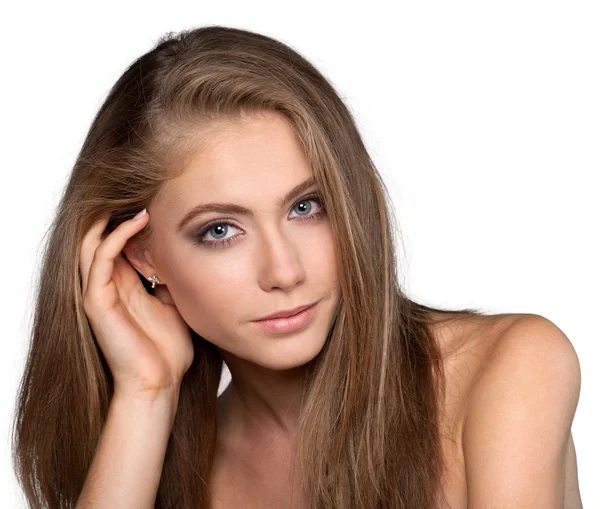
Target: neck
(259, 401)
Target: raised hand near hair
(144, 339)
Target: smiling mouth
(285, 314)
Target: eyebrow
(232, 208)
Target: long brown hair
(370, 401)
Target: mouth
(290, 324)
(285, 313)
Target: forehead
(256, 155)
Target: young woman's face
(226, 269)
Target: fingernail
(139, 214)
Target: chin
(290, 353)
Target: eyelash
(222, 243)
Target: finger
(126, 276)
(101, 269)
(164, 295)
(89, 243)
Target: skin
(275, 261)
(517, 444)
(519, 391)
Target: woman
(257, 196)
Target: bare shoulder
(517, 423)
(466, 345)
(527, 349)
(536, 337)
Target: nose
(280, 265)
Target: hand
(144, 339)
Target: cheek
(218, 291)
(209, 294)
(325, 258)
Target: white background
(483, 117)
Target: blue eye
(221, 227)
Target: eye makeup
(201, 234)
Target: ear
(139, 258)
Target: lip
(285, 313)
(294, 323)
